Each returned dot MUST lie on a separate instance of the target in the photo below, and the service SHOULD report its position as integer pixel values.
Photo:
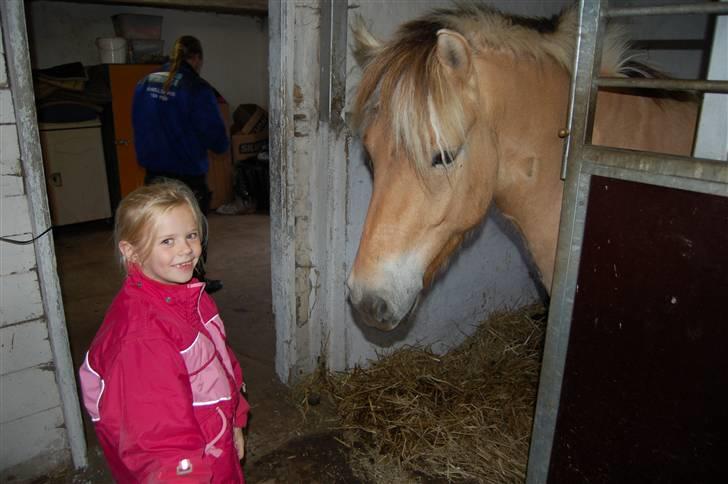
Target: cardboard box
(248, 145)
(249, 119)
(250, 131)
(220, 175)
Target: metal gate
(634, 381)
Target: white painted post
(21, 86)
(282, 188)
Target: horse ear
(454, 52)
(366, 46)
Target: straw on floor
(463, 416)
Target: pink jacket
(163, 387)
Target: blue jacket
(174, 131)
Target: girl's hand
(239, 440)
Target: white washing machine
(75, 171)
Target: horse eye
(443, 158)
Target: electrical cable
(26, 242)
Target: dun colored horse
(463, 108)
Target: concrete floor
(239, 255)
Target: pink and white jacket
(163, 387)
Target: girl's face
(175, 250)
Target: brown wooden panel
(123, 79)
(220, 175)
(645, 389)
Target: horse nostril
(374, 306)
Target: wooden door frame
(309, 175)
(282, 186)
(17, 53)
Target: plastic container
(137, 26)
(112, 50)
(143, 51)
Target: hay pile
(463, 416)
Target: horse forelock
(407, 88)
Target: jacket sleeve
(148, 401)
(208, 120)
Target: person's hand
(239, 440)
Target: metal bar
(582, 94)
(572, 106)
(698, 8)
(576, 188)
(658, 163)
(669, 44)
(668, 84)
(666, 180)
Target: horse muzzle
(382, 308)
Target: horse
(461, 109)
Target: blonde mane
(403, 82)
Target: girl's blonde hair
(184, 49)
(139, 212)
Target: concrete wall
(235, 46)
(31, 415)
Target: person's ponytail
(184, 48)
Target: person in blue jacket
(176, 120)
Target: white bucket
(112, 50)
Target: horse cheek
(439, 263)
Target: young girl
(159, 381)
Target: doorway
(239, 255)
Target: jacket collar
(184, 68)
(170, 293)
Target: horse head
(461, 108)
(433, 161)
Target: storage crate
(144, 51)
(137, 26)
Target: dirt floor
(282, 446)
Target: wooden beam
(237, 7)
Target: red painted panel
(645, 390)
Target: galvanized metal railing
(581, 160)
(586, 81)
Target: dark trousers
(198, 185)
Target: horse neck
(527, 103)
(644, 123)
